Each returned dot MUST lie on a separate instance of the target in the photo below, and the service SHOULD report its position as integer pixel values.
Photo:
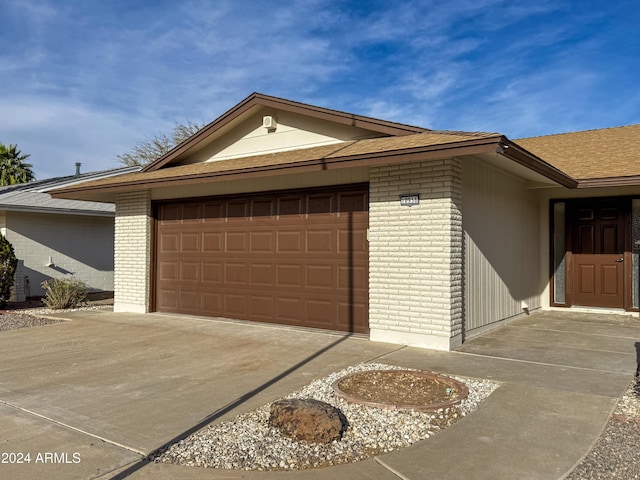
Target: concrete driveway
(89, 398)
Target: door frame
(567, 228)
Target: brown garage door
(297, 258)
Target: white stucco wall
(79, 246)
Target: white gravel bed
(248, 443)
(14, 321)
(614, 456)
(53, 311)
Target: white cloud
(89, 79)
(59, 134)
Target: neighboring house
(293, 214)
(53, 237)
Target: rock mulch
(615, 453)
(249, 443)
(14, 321)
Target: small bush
(8, 264)
(64, 293)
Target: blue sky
(84, 80)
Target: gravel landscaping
(614, 456)
(13, 321)
(248, 443)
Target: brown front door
(597, 237)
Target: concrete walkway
(89, 398)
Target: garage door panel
(214, 212)
(189, 301)
(262, 208)
(168, 271)
(170, 214)
(235, 273)
(321, 312)
(320, 241)
(235, 305)
(167, 300)
(262, 274)
(190, 271)
(212, 272)
(212, 242)
(295, 259)
(211, 302)
(289, 275)
(352, 240)
(320, 203)
(237, 242)
(356, 278)
(190, 242)
(262, 307)
(236, 210)
(289, 208)
(289, 308)
(320, 276)
(262, 242)
(169, 242)
(191, 213)
(352, 316)
(352, 202)
(289, 242)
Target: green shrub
(8, 264)
(64, 293)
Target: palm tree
(13, 170)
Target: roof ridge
(52, 180)
(335, 110)
(463, 132)
(579, 131)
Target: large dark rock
(308, 420)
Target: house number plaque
(410, 199)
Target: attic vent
(269, 122)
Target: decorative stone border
(461, 389)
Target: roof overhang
(630, 181)
(317, 159)
(531, 162)
(56, 211)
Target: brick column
(132, 252)
(415, 255)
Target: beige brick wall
(132, 252)
(415, 255)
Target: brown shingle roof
(605, 153)
(336, 152)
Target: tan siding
(293, 131)
(502, 252)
